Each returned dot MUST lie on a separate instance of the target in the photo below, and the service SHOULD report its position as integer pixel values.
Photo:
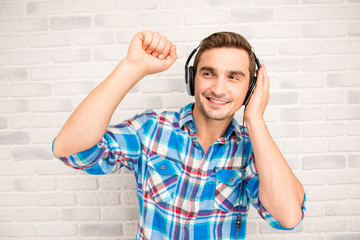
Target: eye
(207, 74)
(234, 77)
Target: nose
(219, 86)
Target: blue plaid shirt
(183, 192)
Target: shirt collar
(186, 117)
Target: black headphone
(190, 77)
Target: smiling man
(197, 170)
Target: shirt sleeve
(252, 190)
(120, 146)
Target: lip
(216, 102)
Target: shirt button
(163, 167)
(194, 142)
(200, 170)
(232, 179)
(193, 199)
(188, 226)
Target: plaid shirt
(184, 192)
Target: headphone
(190, 77)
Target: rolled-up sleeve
(252, 190)
(120, 146)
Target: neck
(208, 130)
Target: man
(190, 166)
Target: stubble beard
(211, 113)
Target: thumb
(172, 54)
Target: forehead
(225, 59)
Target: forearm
(88, 123)
(280, 192)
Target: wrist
(137, 70)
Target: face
(221, 82)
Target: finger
(154, 43)
(166, 50)
(265, 78)
(146, 37)
(160, 47)
(172, 54)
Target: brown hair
(226, 39)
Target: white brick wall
(53, 53)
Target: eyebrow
(211, 69)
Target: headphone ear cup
(250, 91)
(192, 80)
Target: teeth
(216, 101)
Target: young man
(195, 169)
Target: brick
(342, 113)
(125, 36)
(31, 153)
(50, 40)
(13, 74)
(342, 12)
(10, 9)
(252, 15)
(342, 80)
(12, 230)
(39, 121)
(47, 8)
(353, 63)
(300, 48)
(323, 64)
(110, 54)
(344, 145)
(56, 229)
(35, 184)
(299, 13)
(176, 100)
(31, 90)
(345, 208)
(312, 30)
(323, 129)
(352, 96)
(342, 47)
(28, 57)
(277, 31)
(264, 48)
(354, 161)
(93, 38)
(283, 98)
(99, 198)
(275, 2)
(354, 29)
(116, 20)
(70, 22)
(130, 229)
(13, 106)
(79, 214)
(324, 162)
(6, 184)
(167, 18)
(129, 198)
(137, 5)
(284, 130)
(86, 6)
(15, 200)
(322, 97)
(51, 105)
(28, 25)
(344, 177)
(120, 213)
(3, 59)
(4, 153)
(315, 225)
(4, 91)
(14, 137)
(141, 102)
(301, 80)
(118, 182)
(7, 214)
(156, 85)
(321, 1)
(101, 229)
(281, 64)
(326, 193)
(165, 4)
(54, 199)
(354, 192)
(54, 168)
(36, 214)
(354, 224)
(3, 26)
(96, 71)
(304, 146)
(342, 236)
(13, 42)
(314, 209)
(73, 88)
(50, 73)
(301, 114)
(78, 183)
(312, 178)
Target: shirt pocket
(162, 178)
(227, 189)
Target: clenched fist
(151, 52)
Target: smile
(216, 101)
